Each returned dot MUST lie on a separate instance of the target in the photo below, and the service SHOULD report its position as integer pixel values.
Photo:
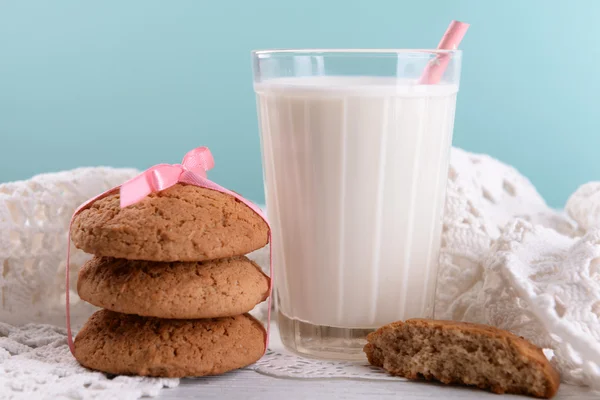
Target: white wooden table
(251, 385)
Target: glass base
(324, 342)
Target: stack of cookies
(174, 284)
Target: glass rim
(289, 52)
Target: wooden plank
(246, 384)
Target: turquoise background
(134, 83)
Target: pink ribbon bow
(191, 171)
(163, 176)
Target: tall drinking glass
(355, 153)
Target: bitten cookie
(188, 290)
(463, 353)
(124, 344)
(182, 223)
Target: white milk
(356, 172)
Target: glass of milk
(355, 154)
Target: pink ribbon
(163, 176)
(191, 171)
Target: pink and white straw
(435, 68)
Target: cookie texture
(182, 223)
(181, 290)
(124, 344)
(463, 353)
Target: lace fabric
(510, 261)
(34, 218)
(35, 362)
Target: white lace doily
(35, 363)
(281, 363)
(546, 287)
(507, 259)
(34, 219)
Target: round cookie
(181, 223)
(124, 344)
(182, 290)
